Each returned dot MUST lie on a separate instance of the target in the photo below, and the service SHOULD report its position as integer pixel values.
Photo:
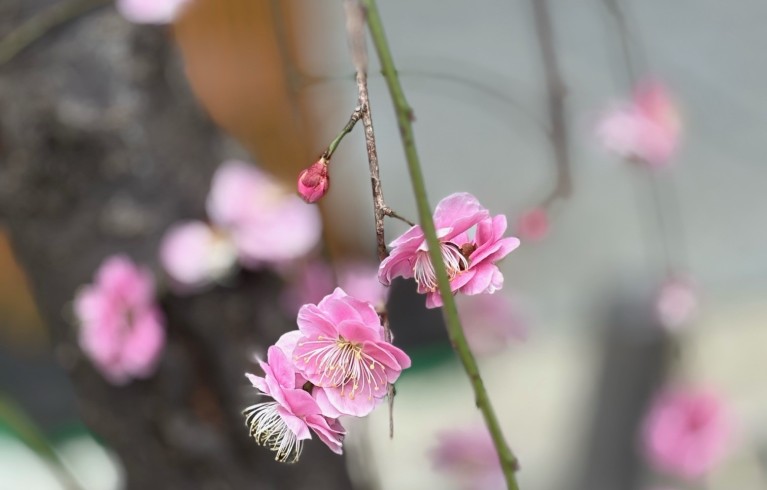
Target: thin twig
(392, 214)
(556, 102)
(40, 24)
(672, 256)
(615, 10)
(454, 329)
(356, 115)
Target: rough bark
(101, 148)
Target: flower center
(423, 270)
(343, 364)
(269, 429)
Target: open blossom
(646, 129)
(686, 432)
(151, 11)
(342, 349)
(313, 182)
(121, 327)
(195, 254)
(267, 223)
(470, 261)
(491, 322)
(285, 422)
(468, 456)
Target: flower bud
(533, 225)
(313, 182)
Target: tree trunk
(101, 148)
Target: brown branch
(615, 10)
(355, 27)
(556, 103)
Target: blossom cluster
(253, 221)
(338, 362)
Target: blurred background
(110, 131)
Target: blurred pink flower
(313, 182)
(533, 225)
(315, 279)
(284, 423)
(194, 254)
(491, 322)
(646, 129)
(677, 303)
(360, 279)
(470, 262)
(343, 349)
(121, 327)
(687, 432)
(309, 283)
(151, 11)
(266, 223)
(468, 457)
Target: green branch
(454, 329)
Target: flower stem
(356, 115)
(454, 329)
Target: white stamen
(342, 363)
(423, 270)
(269, 429)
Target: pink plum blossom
(491, 322)
(677, 303)
(266, 222)
(468, 457)
(687, 432)
(285, 422)
(470, 261)
(151, 11)
(343, 350)
(195, 254)
(313, 182)
(121, 327)
(646, 129)
(533, 225)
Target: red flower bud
(313, 182)
(533, 225)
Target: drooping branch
(457, 337)
(665, 203)
(556, 91)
